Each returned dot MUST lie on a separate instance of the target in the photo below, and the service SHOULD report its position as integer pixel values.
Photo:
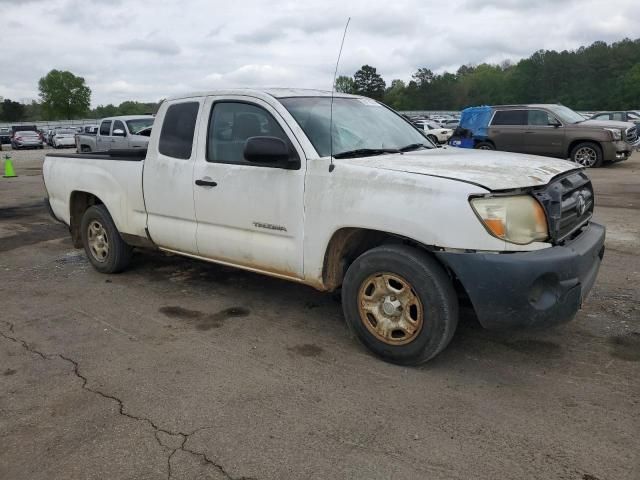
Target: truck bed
(114, 178)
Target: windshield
(566, 114)
(140, 124)
(65, 132)
(358, 124)
(27, 133)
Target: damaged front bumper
(537, 288)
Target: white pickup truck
(117, 133)
(262, 180)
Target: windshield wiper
(363, 152)
(413, 146)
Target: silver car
(26, 139)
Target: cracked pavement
(185, 370)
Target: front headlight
(517, 219)
(615, 133)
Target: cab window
(118, 125)
(178, 127)
(231, 124)
(105, 127)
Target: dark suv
(558, 131)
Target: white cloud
(147, 51)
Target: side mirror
(119, 133)
(271, 151)
(554, 123)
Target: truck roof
(268, 92)
(127, 117)
(527, 105)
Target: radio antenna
(333, 89)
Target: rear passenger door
(248, 214)
(103, 139)
(507, 130)
(168, 177)
(545, 134)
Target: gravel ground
(181, 369)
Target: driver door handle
(206, 183)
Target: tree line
(65, 96)
(597, 77)
(600, 76)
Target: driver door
(247, 214)
(120, 141)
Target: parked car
(64, 137)
(5, 135)
(247, 178)
(26, 139)
(117, 133)
(434, 132)
(451, 123)
(546, 129)
(89, 129)
(620, 116)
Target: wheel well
(573, 144)
(78, 204)
(349, 243)
(486, 140)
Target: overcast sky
(147, 50)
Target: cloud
(159, 46)
(131, 50)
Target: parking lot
(183, 369)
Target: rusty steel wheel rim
(390, 309)
(98, 241)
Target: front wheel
(433, 139)
(104, 246)
(400, 303)
(587, 154)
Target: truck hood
(489, 169)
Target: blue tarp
(476, 120)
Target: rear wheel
(587, 154)
(104, 246)
(484, 146)
(400, 303)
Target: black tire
(434, 139)
(484, 146)
(118, 253)
(587, 154)
(427, 280)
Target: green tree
(369, 83)
(12, 111)
(423, 77)
(396, 96)
(64, 95)
(630, 91)
(345, 84)
(33, 111)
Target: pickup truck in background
(117, 133)
(254, 179)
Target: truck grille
(568, 202)
(631, 135)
